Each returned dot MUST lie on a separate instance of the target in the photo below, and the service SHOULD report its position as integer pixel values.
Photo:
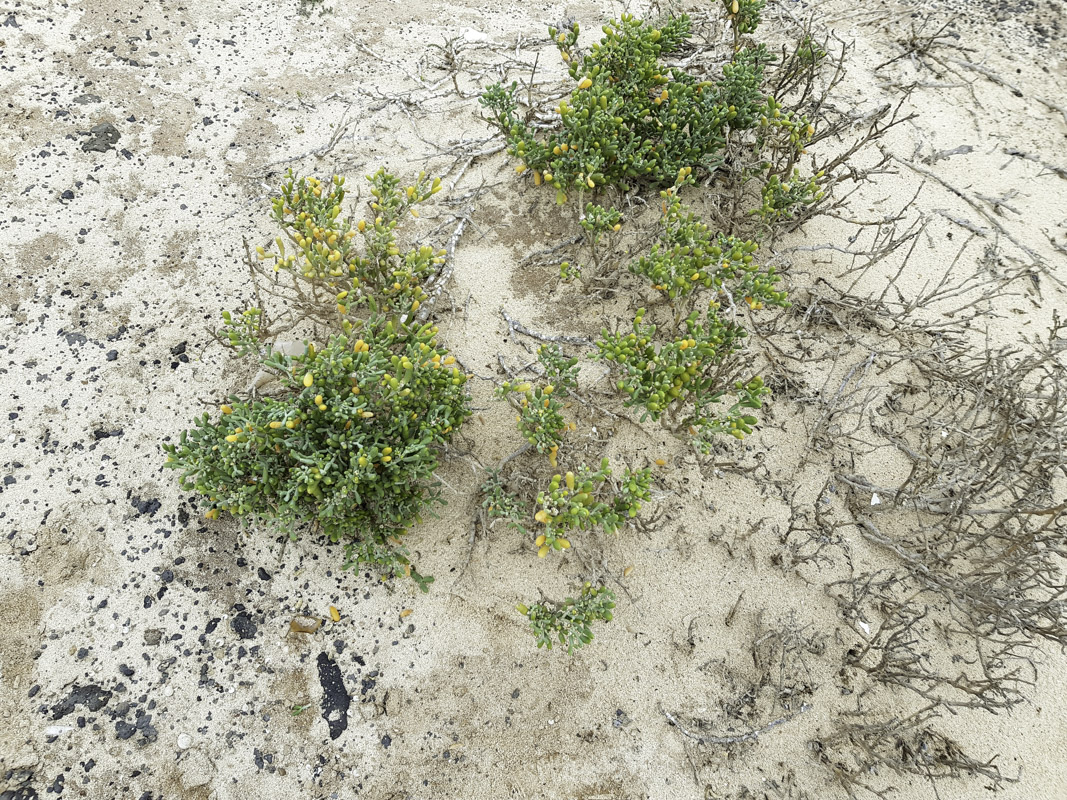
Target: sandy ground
(145, 651)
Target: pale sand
(99, 291)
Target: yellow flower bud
(542, 517)
(309, 379)
(585, 83)
(543, 551)
(227, 409)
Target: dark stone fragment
(178, 349)
(150, 506)
(214, 623)
(112, 355)
(263, 574)
(335, 698)
(167, 576)
(386, 741)
(243, 625)
(102, 138)
(92, 697)
(124, 730)
(102, 434)
(126, 670)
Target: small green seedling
(568, 623)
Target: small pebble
(185, 741)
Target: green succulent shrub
(587, 499)
(326, 252)
(578, 500)
(633, 121)
(686, 258)
(568, 623)
(540, 408)
(744, 16)
(349, 443)
(499, 503)
(680, 380)
(785, 198)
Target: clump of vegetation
(540, 408)
(680, 381)
(585, 500)
(327, 254)
(350, 441)
(682, 378)
(568, 622)
(687, 257)
(633, 121)
(499, 503)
